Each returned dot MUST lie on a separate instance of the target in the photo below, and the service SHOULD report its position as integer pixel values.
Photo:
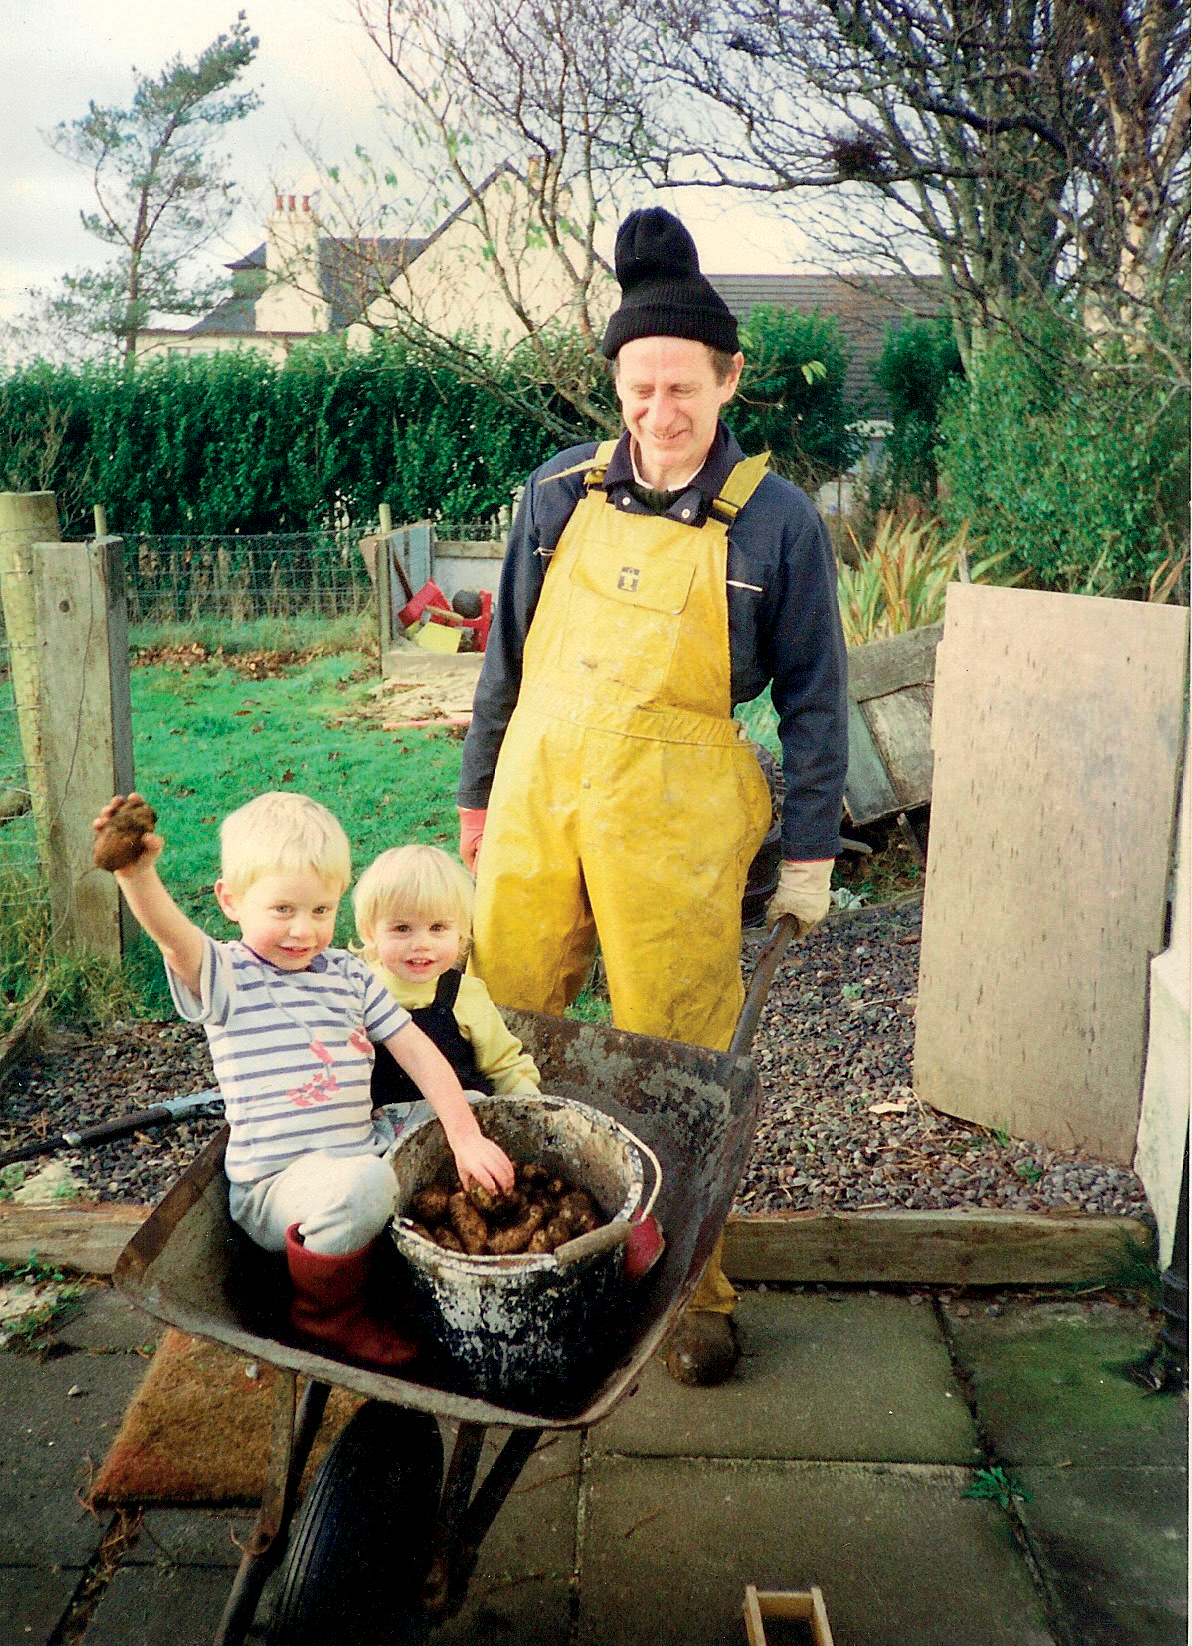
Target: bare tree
(1030, 143)
(515, 119)
(1140, 55)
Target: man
(649, 586)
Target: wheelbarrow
(386, 1540)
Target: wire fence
(233, 591)
(236, 590)
(239, 579)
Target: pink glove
(471, 833)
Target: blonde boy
(292, 1023)
(413, 910)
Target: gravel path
(840, 1127)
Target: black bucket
(527, 1332)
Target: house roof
(351, 273)
(254, 259)
(865, 307)
(354, 272)
(234, 316)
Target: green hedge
(193, 445)
(205, 444)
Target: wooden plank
(901, 729)
(892, 664)
(901, 1248)
(415, 547)
(788, 1605)
(448, 548)
(88, 1238)
(1167, 1083)
(841, 1248)
(867, 791)
(1058, 727)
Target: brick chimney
(293, 299)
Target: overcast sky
(314, 72)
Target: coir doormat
(198, 1429)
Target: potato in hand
(121, 840)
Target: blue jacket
(784, 627)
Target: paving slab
(108, 1323)
(902, 1557)
(1113, 1547)
(53, 1442)
(32, 1599)
(161, 1606)
(1050, 1383)
(821, 1375)
(192, 1537)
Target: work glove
(471, 832)
(803, 891)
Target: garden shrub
(791, 399)
(1069, 454)
(917, 364)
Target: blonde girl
(413, 909)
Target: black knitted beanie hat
(663, 294)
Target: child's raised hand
(480, 1160)
(124, 833)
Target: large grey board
(1058, 728)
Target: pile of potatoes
(540, 1212)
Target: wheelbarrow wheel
(360, 1547)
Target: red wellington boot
(329, 1305)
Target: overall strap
(740, 486)
(592, 468)
(447, 989)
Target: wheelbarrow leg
(482, 1511)
(461, 1472)
(289, 1448)
(462, 1525)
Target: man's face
(671, 400)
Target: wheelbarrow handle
(785, 928)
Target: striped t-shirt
(293, 1053)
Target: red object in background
(430, 594)
(431, 600)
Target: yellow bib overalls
(626, 802)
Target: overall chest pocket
(647, 581)
(625, 615)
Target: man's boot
(702, 1349)
(329, 1306)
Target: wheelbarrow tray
(190, 1266)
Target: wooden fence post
(384, 582)
(26, 518)
(64, 609)
(82, 623)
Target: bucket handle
(647, 1205)
(614, 1233)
